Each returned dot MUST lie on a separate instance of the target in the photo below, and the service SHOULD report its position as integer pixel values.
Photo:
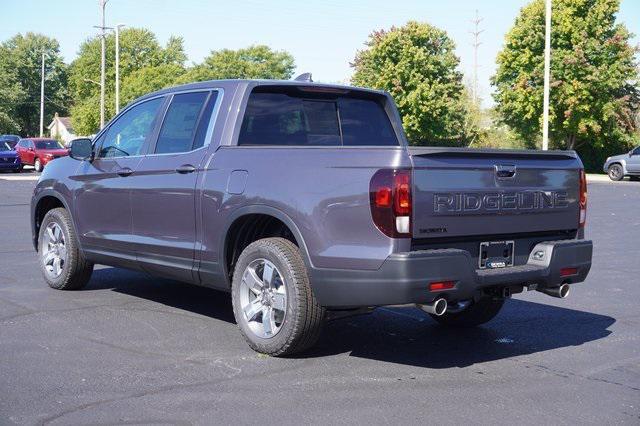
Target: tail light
(583, 199)
(390, 195)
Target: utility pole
(42, 98)
(476, 43)
(102, 27)
(547, 76)
(118, 66)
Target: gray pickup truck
(304, 200)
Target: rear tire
(476, 314)
(615, 172)
(61, 261)
(278, 315)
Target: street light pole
(103, 3)
(118, 67)
(42, 98)
(547, 76)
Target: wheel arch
(239, 217)
(46, 200)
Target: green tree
(252, 62)
(10, 95)
(594, 80)
(20, 74)
(416, 63)
(141, 57)
(148, 79)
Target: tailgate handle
(505, 171)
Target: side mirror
(81, 149)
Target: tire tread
(78, 270)
(309, 315)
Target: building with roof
(61, 128)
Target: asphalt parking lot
(131, 349)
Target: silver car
(619, 166)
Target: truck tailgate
(463, 192)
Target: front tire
(37, 165)
(273, 303)
(61, 261)
(475, 314)
(615, 172)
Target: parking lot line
(19, 177)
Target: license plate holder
(496, 254)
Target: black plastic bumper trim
(404, 277)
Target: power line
(476, 44)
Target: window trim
(156, 130)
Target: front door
(164, 187)
(26, 150)
(633, 163)
(102, 202)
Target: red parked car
(37, 152)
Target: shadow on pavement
(397, 335)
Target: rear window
(295, 118)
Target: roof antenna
(304, 77)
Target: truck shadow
(398, 335)
(407, 336)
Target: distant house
(60, 128)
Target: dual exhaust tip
(439, 306)
(562, 291)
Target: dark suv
(300, 198)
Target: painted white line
(598, 178)
(19, 177)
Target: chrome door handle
(185, 168)
(124, 172)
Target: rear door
(464, 192)
(164, 186)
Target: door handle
(124, 172)
(185, 168)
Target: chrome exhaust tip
(561, 291)
(438, 307)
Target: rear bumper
(404, 278)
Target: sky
(322, 35)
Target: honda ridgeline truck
(304, 199)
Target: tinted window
(126, 136)
(50, 144)
(273, 118)
(180, 123)
(636, 151)
(205, 119)
(365, 122)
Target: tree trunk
(571, 141)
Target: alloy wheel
(54, 250)
(263, 298)
(615, 172)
